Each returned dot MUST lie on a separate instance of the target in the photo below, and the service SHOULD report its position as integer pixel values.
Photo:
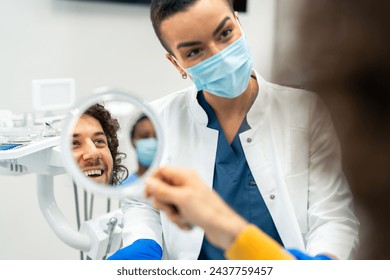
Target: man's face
(91, 151)
(203, 30)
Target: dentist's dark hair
(161, 10)
(343, 47)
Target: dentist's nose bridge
(214, 48)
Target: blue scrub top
(129, 180)
(234, 182)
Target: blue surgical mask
(227, 73)
(146, 150)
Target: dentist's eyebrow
(188, 44)
(220, 26)
(195, 43)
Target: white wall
(98, 44)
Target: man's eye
(100, 142)
(75, 143)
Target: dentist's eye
(226, 33)
(194, 52)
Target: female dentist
(269, 151)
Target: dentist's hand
(186, 200)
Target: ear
(176, 64)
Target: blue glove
(142, 249)
(299, 255)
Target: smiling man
(95, 146)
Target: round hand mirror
(111, 142)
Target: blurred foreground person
(343, 49)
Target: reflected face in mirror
(91, 151)
(143, 139)
(95, 146)
(102, 143)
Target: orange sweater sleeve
(254, 244)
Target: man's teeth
(93, 172)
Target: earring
(184, 76)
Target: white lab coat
(294, 157)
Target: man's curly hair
(110, 127)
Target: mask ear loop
(239, 25)
(243, 34)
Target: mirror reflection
(143, 140)
(95, 146)
(113, 141)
